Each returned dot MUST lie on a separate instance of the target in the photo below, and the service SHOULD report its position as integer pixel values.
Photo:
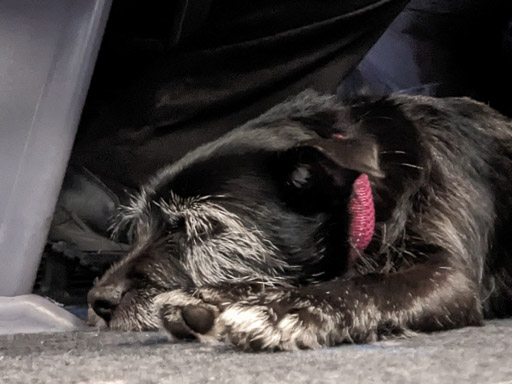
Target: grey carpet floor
(470, 355)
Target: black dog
(254, 237)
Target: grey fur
(438, 260)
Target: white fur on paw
(256, 327)
(244, 325)
(253, 326)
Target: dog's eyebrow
(175, 203)
(246, 139)
(134, 213)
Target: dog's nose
(105, 298)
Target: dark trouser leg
(244, 58)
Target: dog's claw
(178, 330)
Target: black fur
(248, 237)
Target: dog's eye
(300, 176)
(177, 225)
(136, 275)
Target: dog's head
(265, 204)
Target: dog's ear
(320, 173)
(360, 155)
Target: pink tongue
(363, 216)
(362, 212)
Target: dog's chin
(148, 323)
(93, 320)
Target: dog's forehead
(231, 154)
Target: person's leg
(438, 48)
(244, 58)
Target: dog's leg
(426, 297)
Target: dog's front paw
(185, 315)
(194, 314)
(268, 321)
(277, 325)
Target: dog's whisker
(410, 165)
(393, 152)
